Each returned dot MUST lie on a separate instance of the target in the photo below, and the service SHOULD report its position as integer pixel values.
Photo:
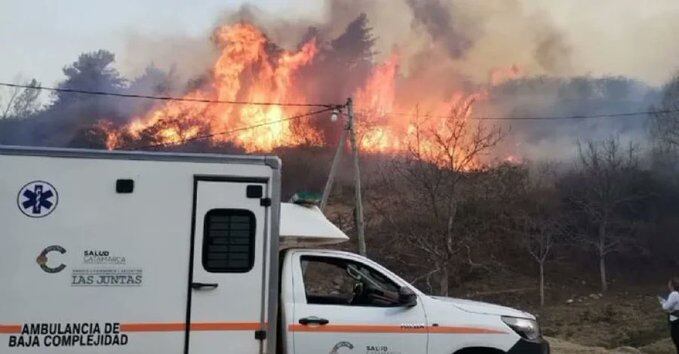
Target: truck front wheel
(477, 350)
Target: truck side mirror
(407, 296)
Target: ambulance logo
(338, 346)
(42, 259)
(37, 199)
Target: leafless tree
(665, 122)
(421, 191)
(22, 101)
(601, 190)
(8, 105)
(540, 224)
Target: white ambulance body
(132, 252)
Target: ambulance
(138, 252)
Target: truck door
(342, 305)
(227, 269)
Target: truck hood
(483, 307)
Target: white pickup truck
(132, 252)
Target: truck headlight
(524, 327)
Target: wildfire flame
(243, 72)
(246, 70)
(500, 75)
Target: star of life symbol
(37, 199)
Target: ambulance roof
(306, 226)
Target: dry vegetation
(585, 245)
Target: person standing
(671, 306)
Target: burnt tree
(424, 188)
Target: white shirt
(672, 304)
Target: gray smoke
(561, 97)
(552, 52)
(436, 18)
(443, 46)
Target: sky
(39, 37)
(634, 38)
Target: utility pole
(358, 216)
(333, 168)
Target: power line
(207, 136)
(574, 117)
(332, 106)
(166, 98)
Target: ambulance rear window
(229, 241)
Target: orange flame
(247, 70)
(387, 128)
(500, 75)
(244, 54)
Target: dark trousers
(674, 331)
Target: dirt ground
(578, 319)
(560, 346)
(608, 321)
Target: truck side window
(336, 281)
(229, 241)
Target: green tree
(91, 72)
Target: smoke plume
(391, 56)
